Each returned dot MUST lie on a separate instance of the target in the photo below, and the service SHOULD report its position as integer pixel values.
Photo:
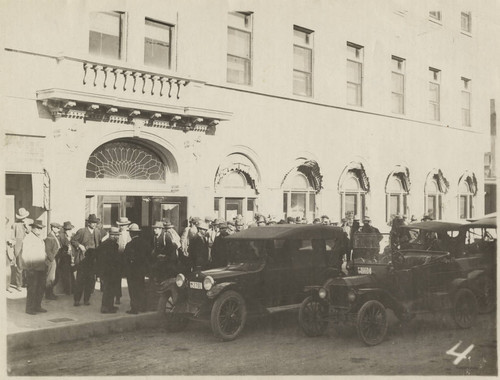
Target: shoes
(132, 312)
(41, 310)
(109, 311)
(16, 287)
(30, 312)
(8, 289)
(86, 303)
(76, 303)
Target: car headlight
(322, 293)
(208, 282)
(179, 280)
(351, 296)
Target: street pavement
(64, 322)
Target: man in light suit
(52, 246)
(85, 241)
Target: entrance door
(234, 206)
(173, 209)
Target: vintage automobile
(473, 245)
(478, 259)
(410, 282)
(268, 268)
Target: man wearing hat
(135, 269)
(172, 245)
(239, 223)
(371, 245)
(188, 233)
(163, 258)
(123, 224)
(426, 218)
(219, 248)
(33, 262)
(52, 246)
(109, 270)
(198, 247)
(19, 231)
(84, 242)
(65, 260)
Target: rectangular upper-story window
(466, 22)
(354, 74)
(239, 48)
(466, 102)
(435, 16)
(398, 85)
(302, 61)
(158, 39)
(106, 34)
(434, 94)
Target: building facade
(173, 109)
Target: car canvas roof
(434, 225)
(287, 231)
(490, 221)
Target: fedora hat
(55, 225)
(114, 231)
(68, 226)
(37, 224)
(367, 219)
(168, 224)
(123, 221)
(93, 219)
(203, 225)
(134, 228)
(157, 224)
(22, 213)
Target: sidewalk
(64, 322)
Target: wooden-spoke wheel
(372, 322)
(313, 316)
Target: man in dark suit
(198, 248)
(52, 246)
(219, 248)
(108, 265)
(135, 269)
(84, 242)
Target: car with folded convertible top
(409, 282)
(268, 269)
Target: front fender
(218, 288)
(458, 283)
(475, 274)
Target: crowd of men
(75, 260)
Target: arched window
(299, 196)
(397, 190)
(435, 188)
(353, 187)
(236, 188)
(467, 189)
(124, 160)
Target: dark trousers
(136, 290)
(35, 283)
(84, 284)
(109, 291)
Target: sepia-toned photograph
(250, 187)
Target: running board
(277, 309)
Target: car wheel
(464, 310)
(229, 314)
(313, 316)
(486, 295)
(372, 322)
(173, 322)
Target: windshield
(246, 251)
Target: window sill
(434, 21)
(465, 33)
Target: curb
(28, 339)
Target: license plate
(364, 270)
(195, 285)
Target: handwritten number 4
(460, 356)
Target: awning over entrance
(358, 170)
(403, 174)
(471, 180)
(311, 170)
(442, 182)
(241, 164)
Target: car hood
(228, 272)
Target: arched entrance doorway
(136, 179)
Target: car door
(276, 275)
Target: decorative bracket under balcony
(89, 107)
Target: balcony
(97, 91)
